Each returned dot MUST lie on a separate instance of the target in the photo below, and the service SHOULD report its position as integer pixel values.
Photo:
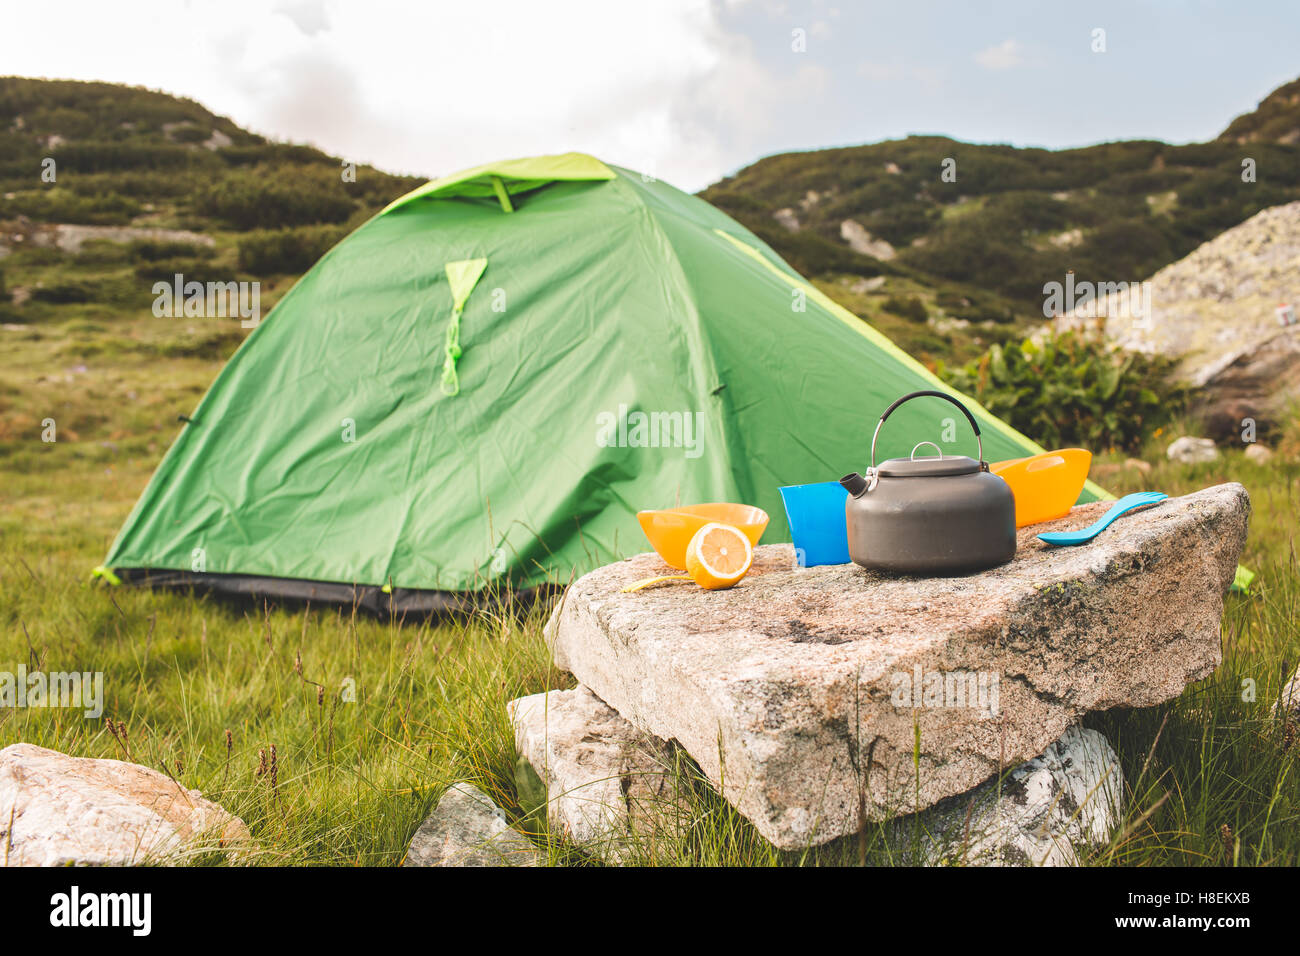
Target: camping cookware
(1126, 504)
(934, 515)
(1046, 486)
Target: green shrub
(166, 269)
(189, 134)
(207, 344)
(268, 198)
(73, 290)
(276, 153)
(100, 252)
(739, 204)
(909, 308)
(1073, 390)
(30, 255)
(115, 290)
(900, 224)
(155, 250)
(107, 156)
(974, 309)
(286, 251)
(61, 205)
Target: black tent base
(399, 602)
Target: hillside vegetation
(97, 154)
(1013, 219)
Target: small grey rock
(1259, 454)
(468, 829)
(787, 219)
(1192, 451)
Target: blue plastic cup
(817, 523)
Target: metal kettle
(932, 515)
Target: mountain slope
(125, 155)
(1275, 120)
(1014, 218)
(943, 267)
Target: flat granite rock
(801, 692)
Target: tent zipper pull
(451, 350)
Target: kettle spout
(854, 484)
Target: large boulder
(604, 778)
(815, 696)
(611, 791)
(57, 810)
(1216, 312)
(468, 829)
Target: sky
(686, 90)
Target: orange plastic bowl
(671, 529)
(1046, 486)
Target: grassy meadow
(367, 721)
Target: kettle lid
(928, 467)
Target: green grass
(1213, 759)
(355, 777)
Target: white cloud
(431, 88)
(1002, 56)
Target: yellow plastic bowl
(671, 529)
(1046, 486)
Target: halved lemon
(718, 556)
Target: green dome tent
(482, 385)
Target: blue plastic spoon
(1123, 506)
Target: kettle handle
(936, 394)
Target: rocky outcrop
(468, 829)
(604, 778)
(70, 238)
(859, 240)
(1070, 795)
(57, 810)
(802, 692)
(787, 219)
(1216, 312)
